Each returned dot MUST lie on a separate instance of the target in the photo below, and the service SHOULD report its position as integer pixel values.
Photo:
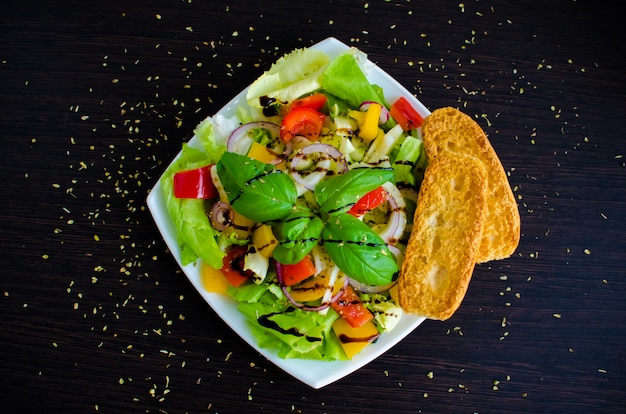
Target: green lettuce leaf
(256, 190)
(291, 332)
(344, 78)
(406, 159)
(293, 75)
(196, 236)
(204, 133)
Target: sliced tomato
(195, 183)
(315, 101)
(405, 115)
(302, 121)
(369, 202)
(350, 307)
(295, 273)
(233, 264)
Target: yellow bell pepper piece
(357, 115)
(264, 240)
(369, 127)
(213, 280)
(353, 340)
(261, 153)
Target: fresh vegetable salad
(300, 204)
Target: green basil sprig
(338, 194)
(264, 194)
(358, 250)
(256, 190)
(298, 233)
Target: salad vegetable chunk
(300, 204)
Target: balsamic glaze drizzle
(253, 180)
(345, 339)
(266, 322)
(358, 243)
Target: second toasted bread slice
(445, 239)
(448, 129)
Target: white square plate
(315, 373)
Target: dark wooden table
(97, 97)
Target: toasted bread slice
(445, 239)
(448, 129)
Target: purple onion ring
(384, 113)
(239, 143)
(221, 215)
(324, 149)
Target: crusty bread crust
(445, 239)
(448, 129)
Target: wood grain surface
(97, 97)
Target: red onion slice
(328, 293)
(321, 168)
(221, 215)
(384, 113)
(239, 142)
(393, 230)
(397, 253)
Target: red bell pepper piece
(296, 273)
(369, 202)
(232, 267)
(315, 101)
(350, 307)
(195, 183)
(405, 115)
(302, 121)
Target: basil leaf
(254, 189)
(298, 234)
(339, 193)
(358, 251)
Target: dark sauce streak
(316, 286)
(268, 105)
(374, 167)
(312, 216)
(345, 339)
(253, 180)
(310, 239)
(266, 246)
(261, 176)
(358, 243)
(405, 162)
(322, 157)
(377, 301)
(341, 208)
(406, 186)
(343, 302)
(266, 322)
(239, 226)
